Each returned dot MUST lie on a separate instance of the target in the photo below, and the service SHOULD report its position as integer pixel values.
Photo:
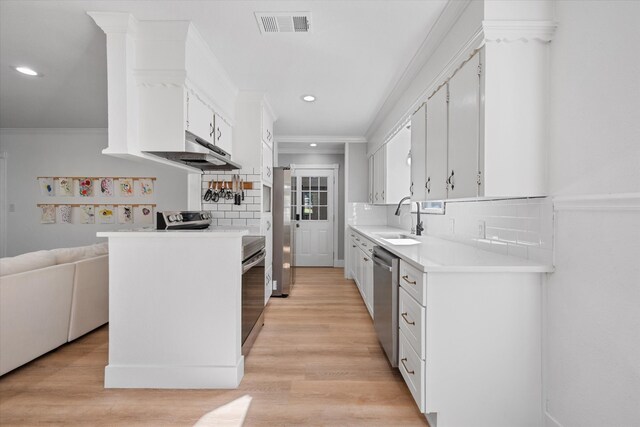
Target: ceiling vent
(284, 22)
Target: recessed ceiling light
(27, 71)
(309, 98)
(314, 144)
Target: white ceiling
(355, 53)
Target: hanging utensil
(242, 189)
(209, 193)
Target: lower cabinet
(268, 284)
(361, 268)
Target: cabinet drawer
(412, 370)
(414, 282)
(411, 319)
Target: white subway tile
(224, 207)
(217, 214)
(253, 222)
(223, 222)
(239, 207)
(239, 222)
(246, 215)
(232, 214)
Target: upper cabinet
(390, 170)
(222, 135)
(199, 117)
(267, 127)
(418, 137)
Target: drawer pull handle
(357, 240)
(405, 366)
(404, 316)
(353, 246)
(406, 279)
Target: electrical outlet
(274, 285)
(452, 226)
(482, 229)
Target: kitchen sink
(398, 239)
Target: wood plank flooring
(316, 362)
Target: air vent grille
(284, 22)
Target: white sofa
(48, 298)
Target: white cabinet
(222, 136)
(267, 164)
(266, 229)
(361, 267)
(464, 131)
(418, 155)
(436, 146)
(268, 284)
(267, 127)
(379, 176)
(199, 117)
(370, 181)
(389, 170)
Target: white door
(313, 205)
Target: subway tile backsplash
(517, 227)
(224, 212)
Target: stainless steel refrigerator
(283, 272)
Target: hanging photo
(106, 187)
(65, 214)
(64, 187)
(85, 187)
(126, 187)
(145, 187)
(46, 186)
(144, 214)
(48, 215)
(105, 215)
(87, 214)
(125, 214)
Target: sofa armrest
(90, 301)
(34, 313)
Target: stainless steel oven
(253, 255)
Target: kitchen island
(175, 310)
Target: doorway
(313, 202)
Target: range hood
(200, 154)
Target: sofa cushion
(67, 255)
(26, 262)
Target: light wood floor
(316, 362)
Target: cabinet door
(268, 284)
(398, 180)
(267, 127)
(266, 229)
(267, 163)
(368, 284)
(436, 149)
(464, 119)
(199, 118)
(353, 258)
(418, 154)
(379, 166)
(371, 179)
(222, 134)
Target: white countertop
(439, 255)
(211, 232)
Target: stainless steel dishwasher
(385, 301)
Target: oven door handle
(251, 262)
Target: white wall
(593, 298)
(317, 159)
(69, 152)
(357, 170)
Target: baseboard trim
(549, 421)
(338, 263)
(174, 377)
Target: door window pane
(306, 183)
(323, 198)
(323, 213)
(314, 183)
(323, 183)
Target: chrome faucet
(419, 226)
(400, 204)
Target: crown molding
(53, 131)
(448, 17)
(319, 139)
(115, 22)
(309, 150)
(518, 31)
